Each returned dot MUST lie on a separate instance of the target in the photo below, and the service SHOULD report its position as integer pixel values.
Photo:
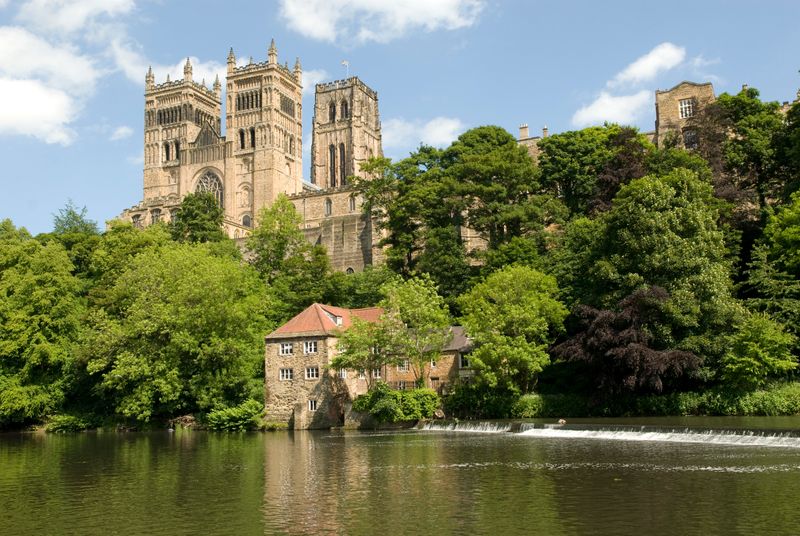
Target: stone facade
(674, 109)
(260, 158)
(347, 131)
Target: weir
(617, 432)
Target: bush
(388, 405)
(67, 423)
(528, 407)
(245, 416)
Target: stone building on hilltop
(260, 155)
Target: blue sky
(72, 72)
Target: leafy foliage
(245, 416)
(619, 345)
(387, 405)
(40, 319)
(199, 220)
(185, 335)
(760, 350)
(512, 317)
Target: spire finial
(167, 77)
(149, 79)
(231, 61)
(272, 53)
(217, 85)
(187, 70)
(298, 69)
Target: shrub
(528, 407)
(245, 416)
(388, 405)
(67, 423)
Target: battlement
(252, 67)
(321, 192)
(170, 85)
(353, 81)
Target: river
(653, 476)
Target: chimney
(523, 131)
(544, 131)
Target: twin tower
(260, 156)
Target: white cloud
(30, 108)
(380, 21)
(120, 133)
(662, 58)
(311, 78)
(3, 3)
(624, 109)
(438, 132)
(134, 65)
(69, 16)
(24, 55)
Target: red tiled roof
(319, 319)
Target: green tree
(759, 350)
(78, 234)
(40, 318)
(662, 231)
(367, 346)
(415, 305)
(199, 219)
(512, 317)
(359, 289)
(186, 334)
(295, 270)
(496, 184)
(586, 167)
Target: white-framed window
(312, 405)
(403, 366)
(463, 361)
(310, 347)
(286, 374)
(690, 139)
(362, 374)
(376, 373)
(343, 373)
(286, 348)
(686, 108)
(433, 363)
(312, 373)
(401, 385)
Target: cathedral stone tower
(174, 114)
(347, 131)
(264, 122)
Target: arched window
(352, 204)
(350, 271)
(173, 214)
(136, 220)
(291, 145)
(177, 150)
(166, 152)
(241, 139)
(252, 137)
(345, 110)
(246, 220)
(155, 216)
(342, 164)
(332, 112)
(328, 207)
(209, 182)
(332, 165)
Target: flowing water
(654, 476)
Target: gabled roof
(459, 342)
(319, 319)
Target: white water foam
(714, 437)
(623, 433)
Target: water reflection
(403, 483)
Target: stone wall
(668, 113)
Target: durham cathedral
(260, 157)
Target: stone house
(302, 390)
